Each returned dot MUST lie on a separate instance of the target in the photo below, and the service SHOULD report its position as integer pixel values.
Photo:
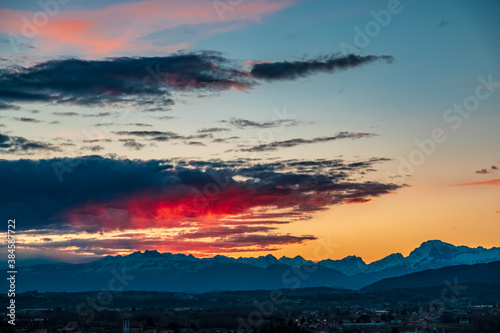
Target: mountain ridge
(181, 272)
(430, 254)
(459, 274)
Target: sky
(248, 127)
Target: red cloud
(482, 171)
(119, 28)
(180, 207)
(196, 206)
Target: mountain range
(151, 270)
(454, 277)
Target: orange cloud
(124, 27)
(487, 182)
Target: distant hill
(463, 274)
(178, 272)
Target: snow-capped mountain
(430, 254)
(180, 272)
(295, 262)
(350, 265)
(392, 260)
(437, 254)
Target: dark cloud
(132, 144)
(139, 125)
(266, 240)
(66, 114)
(223, 231)
(148, 82)
(178, 244)
(7, 106)
(199, 136)
(295, 142)
(166, 103)
(195, 143)
(19, 43)
(163, 117)
(94, 193)
(100, 114)
(97, 140)
(27, 120)
(163, 136)
(225, 140)
(443, 23)
(213, 130)
(94, 149)
(486, 171)
(292, 70)
(145, 82)
(147, 133)
(128, 124)
(244, 123)
(20, 145)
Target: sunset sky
(247, 127)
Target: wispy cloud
(486, 182)
(132, 144)
(66, 114)
(213, 130)
(443, 23)
(27, 119)
(8, 106)
(20, 145)
(244, 123)
(295, 142)
(291, 70)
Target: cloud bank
(148, 83)
(229, 203)
(291, 70)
